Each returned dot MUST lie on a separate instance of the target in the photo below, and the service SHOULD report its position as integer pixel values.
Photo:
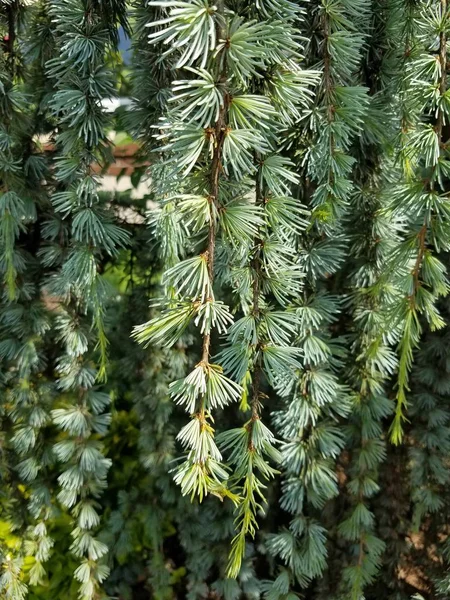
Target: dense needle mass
(234, 383)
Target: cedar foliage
(236, 386)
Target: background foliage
(238, 385)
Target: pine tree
(197, 387)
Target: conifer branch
(26, 391)
(314, 405)
(12, 210)
(252, 488)
(85, 32)
(443, 69)
(412, 328)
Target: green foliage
(236, 386)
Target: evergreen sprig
(85, 32)
(420, 198)
(219, 142)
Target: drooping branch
(411, 326)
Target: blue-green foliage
(236, 386)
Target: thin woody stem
(214, 185)
(256, 264)
(219, 137)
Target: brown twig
(218, 132)
(256, 264)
